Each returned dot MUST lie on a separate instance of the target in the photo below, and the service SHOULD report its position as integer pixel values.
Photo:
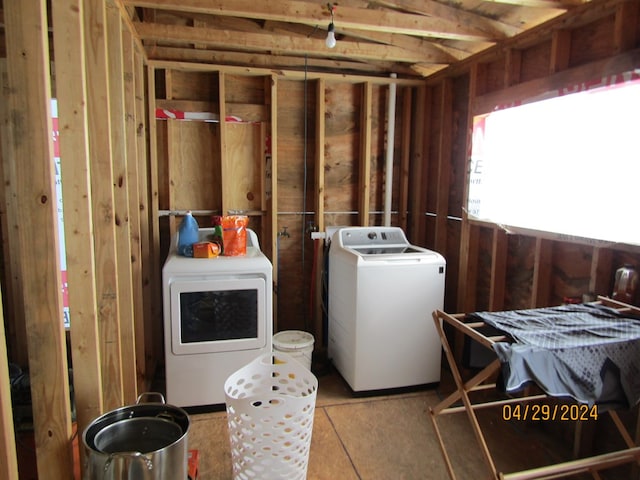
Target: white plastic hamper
(270, 407)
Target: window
(568, 165)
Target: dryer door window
(217, 315)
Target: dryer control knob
(372, 235)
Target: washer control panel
(367, 236)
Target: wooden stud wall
(103, 163)
(329, 136)
(30, 148)
(75, 162)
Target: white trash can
(270, 406)
(295, 343)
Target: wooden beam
(69, 46)
(153, 273)
(99, 117)
(223, 142)
(560, 51)
(268, 61)
(13, 299)
(365, 155)
(437, 53)
(541, 288)
(279, 44)
(433, 8)
(468, 266)
(133, 182)
(405, 158)
(319, 205)
(8, 452)
(513, 67)
(427, 25)
(444, 165)
(274, 194)
(625, 32)
(286, 74)
(601, 271)
(121, 203)
(499, 255)
(172, 157)
(30, 141)
(417, 166)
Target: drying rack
(479, 382)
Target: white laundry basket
(270, 407)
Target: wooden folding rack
(591, 464)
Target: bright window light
(569, 165)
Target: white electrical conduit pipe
(391, 133)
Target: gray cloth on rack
(587, 351)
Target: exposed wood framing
(148, 323)
(467, 269)
(498, 269)
(560, 51)
(444, 166)
(223, 141)
(77, 199)
(154, 272)
(601, 271)
(513, 62)
(625, 34)
(103, 203)
(121, 218)
(416, 205)
(173, 156)
(541, 287)
(14, 298)
(274, 194)
(284, 74)
(319, 205)
(30, 141)
(365, 156)
(8, 456)
(405, 159)
(133, 182)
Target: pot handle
(150, 394)
(135, 455)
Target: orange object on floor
(193, 458)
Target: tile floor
(388, 437)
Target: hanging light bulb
(331, 36)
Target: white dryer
(217, 318)
(382, 292)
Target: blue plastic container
(187, 235)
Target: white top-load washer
(382, 292)
(217, 318)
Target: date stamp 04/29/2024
(544, 412)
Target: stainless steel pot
(145, 441)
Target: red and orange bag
(234, 234)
